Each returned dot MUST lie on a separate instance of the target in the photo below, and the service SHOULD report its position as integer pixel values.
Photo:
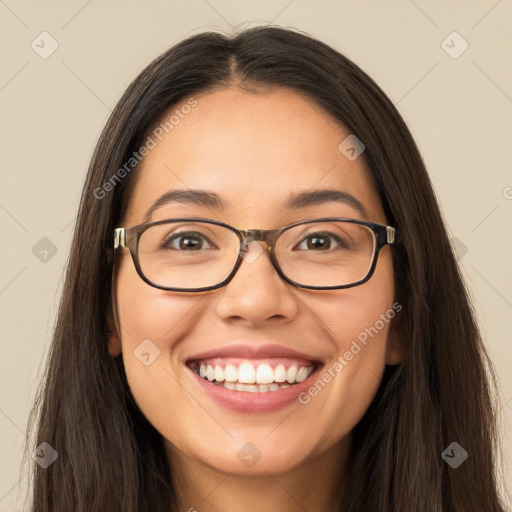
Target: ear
(114, 344)
(113, 337)
(394, 348)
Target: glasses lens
(187, 254)
(326, 253)
(198, 254)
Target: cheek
(343, 390)
(146, 312)
(357, 321)
(152, 323)
(361, 313)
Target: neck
(315, 485)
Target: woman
(262, 309)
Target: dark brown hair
(110, 456)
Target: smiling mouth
(251, 375)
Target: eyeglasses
(196, 254)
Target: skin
(245, 146)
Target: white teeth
(219, 374)
(246, 374)
(302, 373)
(264, 374)
(291, 374)
(252, 388)
(280, 373)
(231, 373)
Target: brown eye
(322, 240)
(187, 241)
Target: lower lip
(245, 401)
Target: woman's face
(254, 151)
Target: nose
(257, 292)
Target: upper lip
(251, 352)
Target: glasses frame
(129, 238)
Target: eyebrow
(295, 201)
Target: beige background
(458, 109)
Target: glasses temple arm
(119, 237)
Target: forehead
(254, 150)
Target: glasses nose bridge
(261, 235)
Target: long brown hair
(110, 456)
